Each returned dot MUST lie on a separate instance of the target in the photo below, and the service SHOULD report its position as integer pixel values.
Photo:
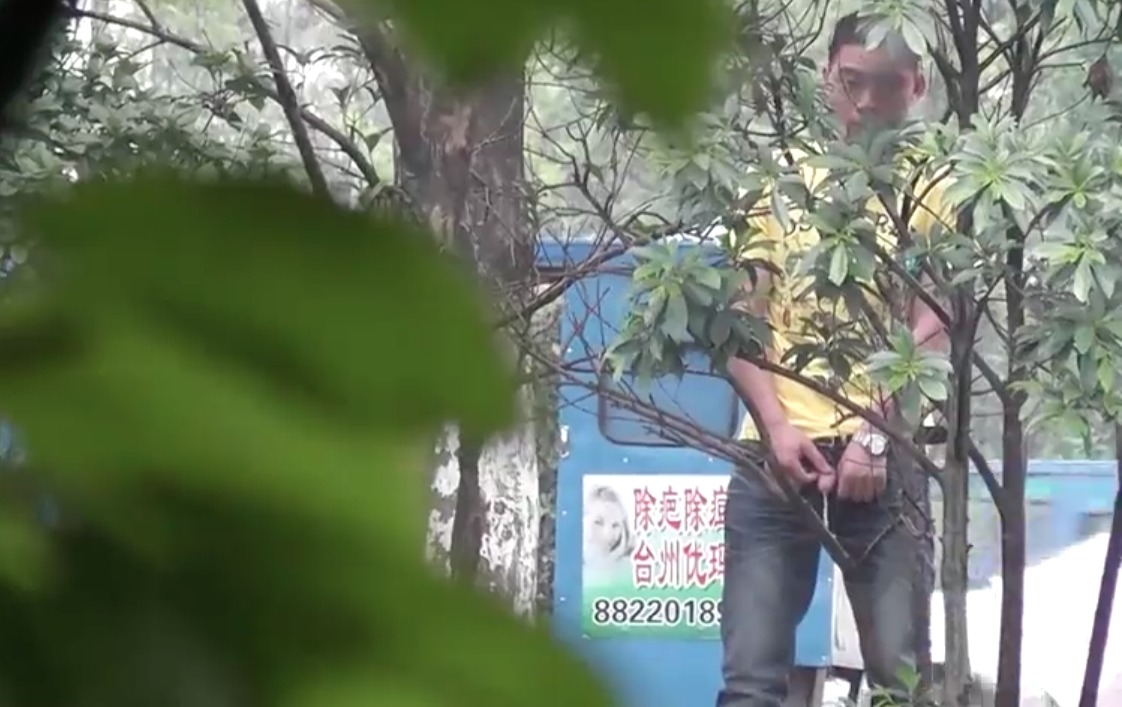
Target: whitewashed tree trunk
(517, 474)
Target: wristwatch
(873, 441)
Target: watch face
(877, 445)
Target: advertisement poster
(653, 555)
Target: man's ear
(921, 85)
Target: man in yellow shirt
(771, 556)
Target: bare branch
(288, 99)
(147, 11)
(686, 432)
(390, 69)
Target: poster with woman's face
(607, 530)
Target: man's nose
(863, 100)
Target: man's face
(872, 86)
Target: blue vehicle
(639, 551)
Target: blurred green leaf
(243, 605)
(668, 83)
(334, 309)
(248, 382)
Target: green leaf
(839, 265)
(1084, 337)
(652, 254)
(1081, 281)
(472, 47)
(211, 611)
(709, 277)
(677, 318)
(911, 403)
(294, 294)
(1107, 374)
(828, 161)
(933, 388)
(656, 305)
(779, 211)
(617, 36)
(721, 328)
(881, 360)
(914, 38)
(937, 361)
(696, 294)
(647, 271)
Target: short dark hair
(854, 29)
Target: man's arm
(755, 385)
(794, 452)
(928, 330)
(861, 475)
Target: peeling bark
(547, 338)
(461, 165)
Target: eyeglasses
(878, 84)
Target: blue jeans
(771, 565)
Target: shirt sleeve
(760, 240)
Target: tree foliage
(231, 388)
(1025, 243)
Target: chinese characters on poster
(653, 555)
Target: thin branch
(997, 491)
(685, 431)
(147, 11)
(556, 289)
(289, 101)
(390, 70)
(349, 147)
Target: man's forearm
(929, 333)
(757, 388)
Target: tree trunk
(1014, 468)
(956, 499)
(461, 165)
(547, 336)
(918, 512)
(1100, 630)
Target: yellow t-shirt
(793, 307)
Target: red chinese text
(671, 512)
(643, 565)
(695, 506)
(717, 509)
(644, 509)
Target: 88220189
(653, 612)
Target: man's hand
(799, 458)
(861, 476)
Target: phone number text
(656, 612)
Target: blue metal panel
(647, 671)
